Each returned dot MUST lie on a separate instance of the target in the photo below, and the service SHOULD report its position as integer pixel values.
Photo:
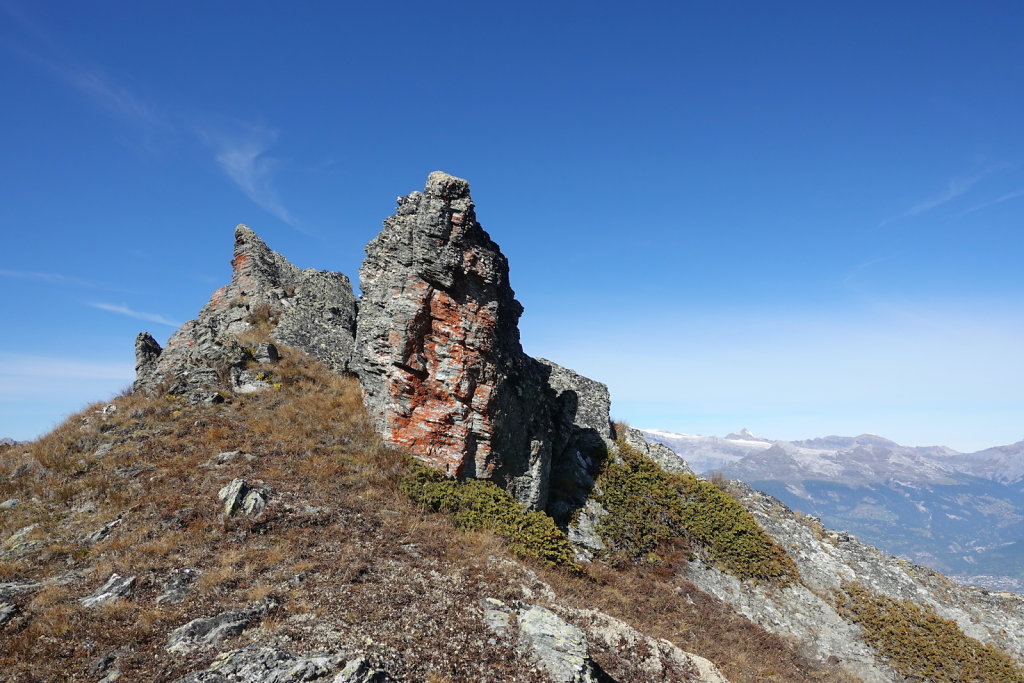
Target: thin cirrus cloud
(998, 200)
(240, 150)
(242, 155)
(51, 278)
(139, 315)
(955, 188)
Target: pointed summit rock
(309, 309)
(439, 357)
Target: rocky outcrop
(557, 647)
(308, 309)
(439, 355)
(654, 659)
(267, 665)
(435, 345)
(209, 631)
(115, 587)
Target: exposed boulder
(204, 632)
(656, 659)
(308, 309)
(658, 452)
(558, 647)
(116, 586)
(240, 496)
(265, 665)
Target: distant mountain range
(7, 441)
(960, 513)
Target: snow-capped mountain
(962, 513)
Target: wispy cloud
(109, 95)
(140, 315)
(956, 187)
(998, 200)
(242, 155)
(38, 46)
(240, 149)
(53, 278)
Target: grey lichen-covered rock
(359, 670)
(658, 452)
(115, 587)
(307, 309)
(439, 357)
(102, 532)
(266, 665)
(582, 529)
(177, 586)
(7, 612)
(558, 647)
(239, 496)
(19, 543)
(656, 659)
(204, 632)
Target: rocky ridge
(962, 514)
(267, 542)
(434, 340)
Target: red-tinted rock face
(437, 330)
(445, 388)
(439, 358)
(439, 355)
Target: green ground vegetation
(920, 644)
(480, 505)
(651, 509)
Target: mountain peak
(745, 435)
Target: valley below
(959, 513)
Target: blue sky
(802, 218)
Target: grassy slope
(354, 563)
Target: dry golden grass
(337, 541)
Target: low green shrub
(649, 508)
(477, 504)
(920, 644)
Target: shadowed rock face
(439, 354)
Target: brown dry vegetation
(354, 565)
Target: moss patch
(650, 508)
(477, 504)
(920, 644)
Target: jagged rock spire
(439, 354)
(308, 309)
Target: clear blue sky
(803, 218)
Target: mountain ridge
(303, 487)
(960, 513)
